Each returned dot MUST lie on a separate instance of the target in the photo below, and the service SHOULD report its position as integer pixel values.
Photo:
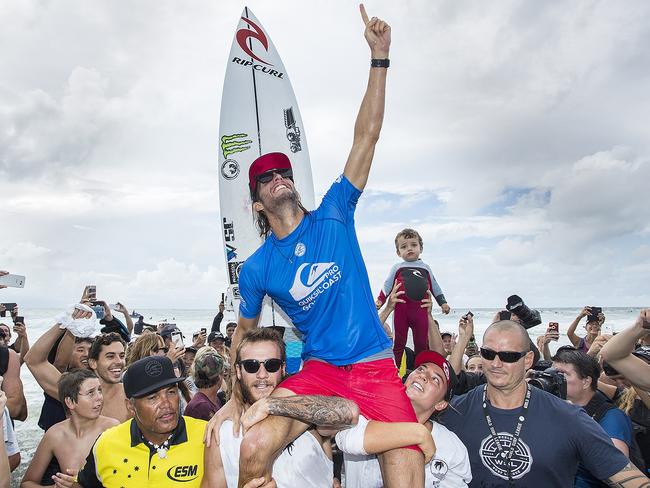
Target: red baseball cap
(264, 163)
(435, 358)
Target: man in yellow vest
(158, 447)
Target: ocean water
(39, 320)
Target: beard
(290, 200)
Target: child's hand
(445, 308)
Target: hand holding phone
(177, 340)
(11, 280)
(553, 330)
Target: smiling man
(158, 447)
(106, 359)
(312, 267)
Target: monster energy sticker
(293, 131)
(234, 143)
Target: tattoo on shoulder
(628, 477)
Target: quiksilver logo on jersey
(183, 473)
(418, 274)
(312, 280)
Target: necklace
(277, 248)
(160, 448)
(507, 456)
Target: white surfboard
(259, 114)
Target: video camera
(550, 380)
(529, 318)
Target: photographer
(618, 352)
(21, 344)
(581, 372)
(595, 319)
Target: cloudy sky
(516, 140)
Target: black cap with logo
(149, 375)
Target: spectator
(106, 359)
(618, 352)
(10, 452)
(12, 385)
(47, 375)
(199, 339)
(21, 344)
(65, 446)
(207, 374)
(188, 363)
(260, 366)
(158, 446)
(429, 388)
(217, 341)
(230, 330)
(144, 346)
(581, 372)
(474, 364)
(635, 402)
(216, 322)
(448, 342)
(417, 278)
(517, 435)
(594, 322)
(6, 447)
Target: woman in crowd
(594, 322)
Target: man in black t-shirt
(517, 435)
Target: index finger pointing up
(364, 15)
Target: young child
(412, 273)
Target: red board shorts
(374, 386)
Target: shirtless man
(106, 359)
(260, 367)
(69, 442)
(47, 375)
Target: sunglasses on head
(251, 366)
(268, 175)
(504, 356)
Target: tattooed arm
(322, 411)
(628, 477)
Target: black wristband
(380, 63)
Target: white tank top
(306, 465)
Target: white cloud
(515, 140)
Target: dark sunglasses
(505, 356)
(251, 366)
(268, 175)
(163, 349)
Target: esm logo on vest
(243, 35)
(183, 473)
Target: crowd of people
(128, 404)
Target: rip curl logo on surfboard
(257, 33)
